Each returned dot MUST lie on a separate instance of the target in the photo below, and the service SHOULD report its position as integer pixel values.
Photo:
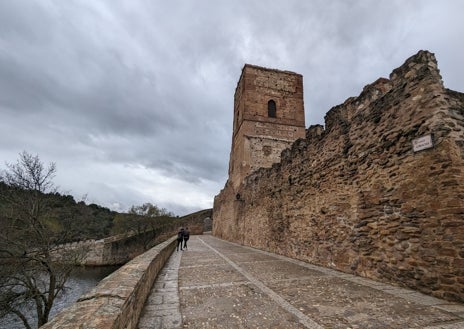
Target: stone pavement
(218, 284)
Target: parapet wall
(118, 299)
(356, 197)
(119, 249)
(115, 250)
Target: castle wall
(357, 197)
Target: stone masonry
(359, 196)
(121, 248)
(268, 117)
(117, 301)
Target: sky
(133, 99)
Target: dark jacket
(180, 235)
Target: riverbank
(81, 281)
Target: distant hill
(63, 213)
(82, 221)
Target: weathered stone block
(116, 302)
(358, 188)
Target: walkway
(218, 284)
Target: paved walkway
(218, 284)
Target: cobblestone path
(218, 284)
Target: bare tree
(29, 273)
(150, 210)
(148, 221)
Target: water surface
(81, 282)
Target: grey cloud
(151, 83)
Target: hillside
(82, 221)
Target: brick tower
(268, 117)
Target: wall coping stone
(116, 302)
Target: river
(81, 281)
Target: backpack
(180, 235)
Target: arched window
(271, 109)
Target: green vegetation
(80, 221)
(35, 218)
(29, 231)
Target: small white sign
(422, 143)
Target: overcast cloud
(133, 100)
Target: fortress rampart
(379, 192)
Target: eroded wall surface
(355, 196)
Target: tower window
(271, 109)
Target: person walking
(186, 237)
(180, 238)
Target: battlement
(378, 192)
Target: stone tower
(268, 117)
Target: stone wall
(118, 299)
(114, 250)
(356, 197)
(119, 249)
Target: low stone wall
(116, 302)
(121, 248)
(87, 252)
